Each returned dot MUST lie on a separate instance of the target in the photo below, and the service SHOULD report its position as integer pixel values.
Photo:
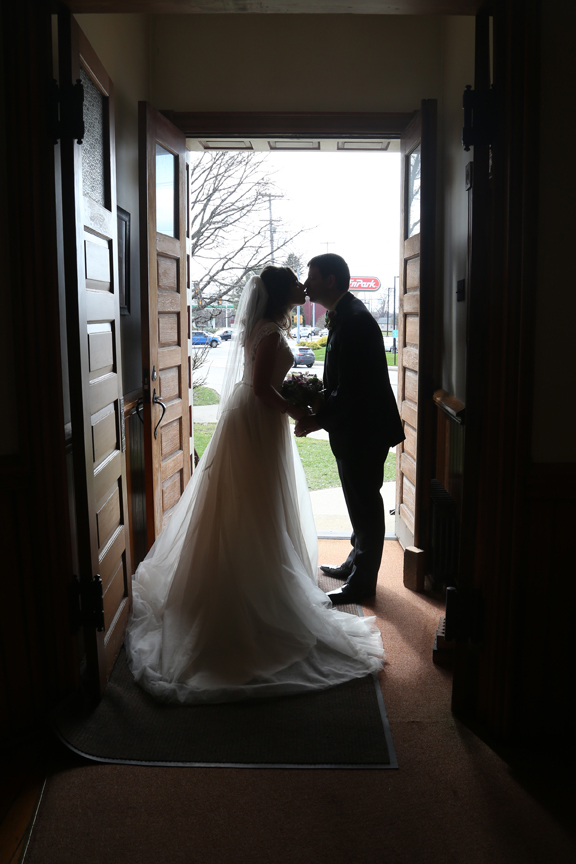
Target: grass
(317, 458)
(205, 396)
(391, 359)
(202, 434)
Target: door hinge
(86, 603)
(122, 424)
(479, 117)
(67, 111)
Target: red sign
(364, 283)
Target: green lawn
(205, 396)
(391, 359)
(317, 458)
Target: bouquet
(302, 390)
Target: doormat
(341, 727)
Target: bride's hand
(297, 413)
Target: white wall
(554, 425)
(295, 62)
(305, 63)
(457, 71)
(122, 45)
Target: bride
(226, 603)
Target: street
(217, 360)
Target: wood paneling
(168, 329)
(169, 383)
(416, 327)
(167, 273)
(412, 275)
(136, 486)
(168, 301)
(410, 442)
(171, 438)
(108, 518)
(97, 263)
(104, 437)
(171, 491)
(101, 350)
(412, 330)
(411, 385)
(113, 594)
(40, 652)
(450, 455)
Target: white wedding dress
(226, 604)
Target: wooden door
(162, 160)
(94, 355)
(415, 326)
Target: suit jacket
(360, 412)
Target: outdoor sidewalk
(328, 505)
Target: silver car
(303, 356)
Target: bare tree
(381, 309)
(198, 358)
(232, 233)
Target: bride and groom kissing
(226, 604)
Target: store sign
(364, 283)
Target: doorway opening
(283, 201)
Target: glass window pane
(413, 196)
(165, 192)
(93, 181)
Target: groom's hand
(306, 425)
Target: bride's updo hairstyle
(278, 282)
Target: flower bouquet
(302, 390)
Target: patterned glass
(165, 192)
(93, 177)
(413, 201)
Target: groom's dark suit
(361, 417)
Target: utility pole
(298, 312)
(271, 227)
(394, 316)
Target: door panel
(93, 325)
(415, 325)
(163, 203)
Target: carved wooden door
(163, 202)
(94, 355)
(415, 326)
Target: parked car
(224, 334)
(305, 332)
(303, 356)
(200, 337)
(389, 343)
(323, 333)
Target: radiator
(443, 560)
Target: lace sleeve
(266, 330)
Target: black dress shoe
(341, 572)
(349, 594)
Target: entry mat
(342, 727)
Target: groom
(360, 416)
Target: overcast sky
(349, 200)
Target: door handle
(139, 405)
(158, 401)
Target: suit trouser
(361, 483)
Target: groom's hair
(332, 265)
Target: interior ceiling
(276, 143)
(357, 7)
